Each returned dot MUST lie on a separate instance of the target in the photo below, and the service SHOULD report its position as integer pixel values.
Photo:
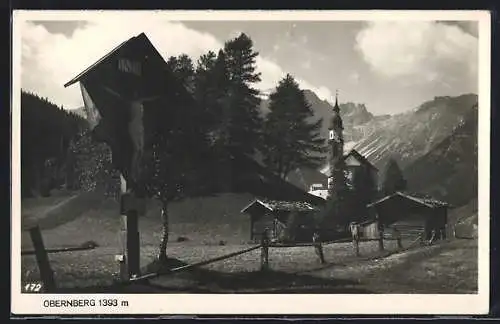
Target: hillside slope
(405, 137)
(449, 170)
(410, 135)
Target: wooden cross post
(42, 259)
(130, 242)
(122, 258)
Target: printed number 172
(33, 287)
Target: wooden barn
(411, 215)
(285, 220)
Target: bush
(89, 244)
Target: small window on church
(331, 134)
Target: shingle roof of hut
(276, 205)
(416, 197)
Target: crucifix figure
(135, 127)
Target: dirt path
(40, 213)
(62, 212)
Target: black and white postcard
(250, 162)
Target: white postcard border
(256, 303)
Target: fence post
(355, 241)
(318, 247)
(381, 239)
(354, 227)
(400, 245)
(398, 239)
(264, 258)
(397, 234)
(42, 259)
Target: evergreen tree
(212, 95)
(205, 89)
(291, 140)
(183, 68)
(245, 123)
(394, 180)
(46, 132)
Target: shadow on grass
(198, 280)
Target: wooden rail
(193, 265)
(59, 250)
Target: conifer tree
(183, 68)
(245, 124)
(291, 138)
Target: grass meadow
(448, 267)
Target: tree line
(197, 133)
(225, 111)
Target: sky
(390, 66)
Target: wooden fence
(47, 276)
(264, 246)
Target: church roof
(360, 158)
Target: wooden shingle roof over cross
(141, 47)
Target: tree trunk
(162, 254)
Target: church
(358, 173)
(349, 174)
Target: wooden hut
(411, 215)
(285, 220)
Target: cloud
(306, 64)
(419, 52)
(354, 77)
(272, 73)
(49, 60)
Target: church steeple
(336, 124)
(336, 147)
(336, 108)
